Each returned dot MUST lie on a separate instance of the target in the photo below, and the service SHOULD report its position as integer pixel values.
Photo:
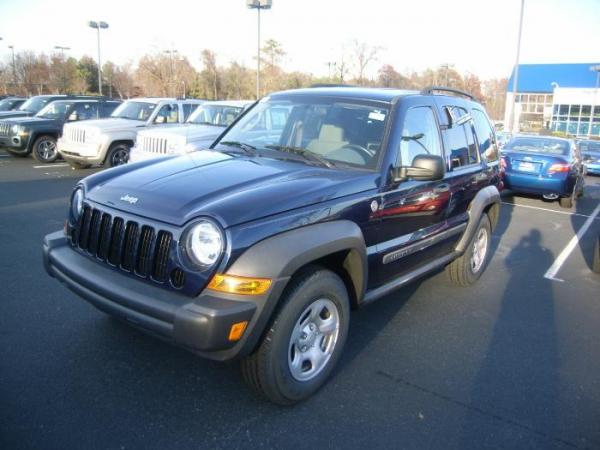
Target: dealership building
(555, 97)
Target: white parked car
(205, 124)
(108, 141)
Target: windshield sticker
(376, 115)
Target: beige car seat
(330, 138)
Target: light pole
(516, 78)
(258, 5)
(172, 78)
(14, 65)
(98, 26)
(62, 57)
(595, 102)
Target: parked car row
(87, 131)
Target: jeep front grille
(4, 129)
(125, 244)
(76, 135)
(151, 144)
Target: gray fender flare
(486, 197)
(282, 255)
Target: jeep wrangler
(312, 203)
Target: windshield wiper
(307, 154)
(246, 148)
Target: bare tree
(364, 54)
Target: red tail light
(558, 168)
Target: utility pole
(62, 57)
(14, 65)
(516, 73)
(98, 26)
(173, 89)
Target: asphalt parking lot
(512, 363)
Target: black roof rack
(431, 89)
(324, 85)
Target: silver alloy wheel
(119, 157)
(313, 339)
(479, 250)
(46, 149)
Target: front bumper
(201, 324)
(16, 143)
(534, 184)
(83, 153)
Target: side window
(107, 108)
(461, 143)
(488, 148)
(167, 114)
(420, 135)
(188, 108)
(86, 111)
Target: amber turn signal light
(237, 329)
(232, 284)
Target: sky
(477, 36)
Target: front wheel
(305, 339)
(44, 149)
(467, 269)
(118, 154)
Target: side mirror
(423, 168)
(73, 117)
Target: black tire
(461, 270)
(76, 166)
(596, 261)
(117, 155)
(267, 371)
(44, 149)
(566, 202)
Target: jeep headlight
(92, 135)
(77, 203)
(173, 147)
(15, 129)
(204, 243)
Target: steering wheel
(363, 152)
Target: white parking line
(558, 262)
(547, 209)
(49, 166)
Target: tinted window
(134, 110)
(420, 135)
(34, 104)
(107, 108)
(188, 108)
(211, 114)
(461, 143)
(86, 111)
(485, 136)
(55, 110)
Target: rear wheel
(44, 149)
(467, 269)
(304, 341)
(118, 154)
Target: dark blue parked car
(312, 203)
(544, 165)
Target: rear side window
(107, 108)
(461, 142)
(188, 108)
(420, 135)
(86, 111)
(167, 114)
(488, 150)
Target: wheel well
(37, 134)
(345, 264)
(493, 212)
(122, 141)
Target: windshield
(55, 110)
(7, 104)
(218, 115)
(134, 110)
(314, 128)
(34, 104)
(590, 146)
(538, 145)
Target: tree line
(172, 74)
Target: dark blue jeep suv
(312, 203)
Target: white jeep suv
(108, 141)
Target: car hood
(8, 114)
(231, 189)
(185, 133)
(34, 121)
(112, 124)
